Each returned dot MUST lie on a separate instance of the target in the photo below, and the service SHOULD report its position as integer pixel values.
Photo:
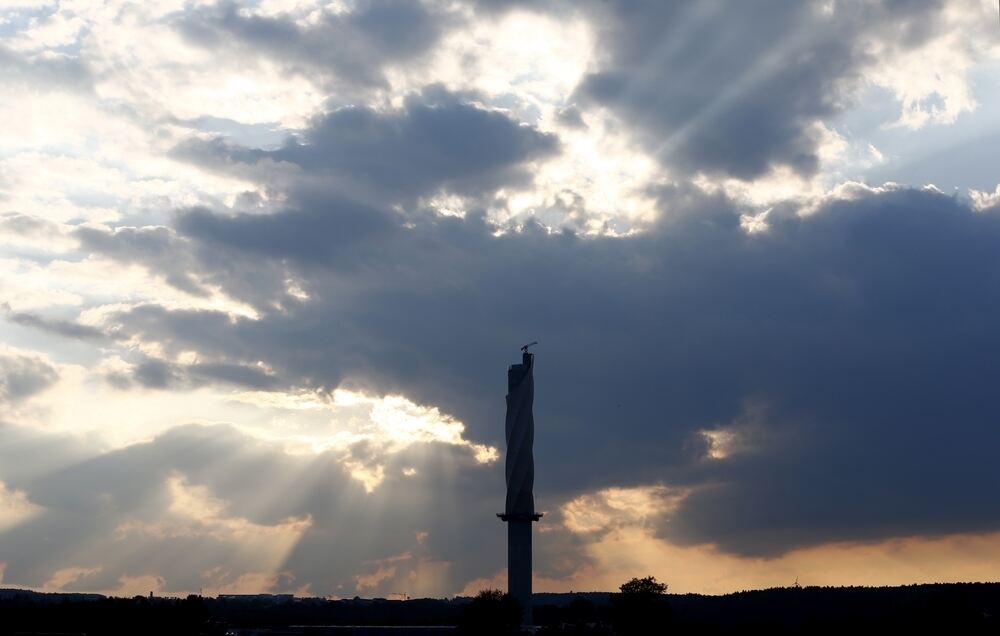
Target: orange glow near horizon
(635, 552)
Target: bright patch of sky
(956, 156)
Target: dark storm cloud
(866, 330)
(23, 376)
(352, 47)
(148, 245)
(155, 374)
(342, 229)
(436, 141)
(189, 267)
(738, 88)
(152, 373)
(240, 375)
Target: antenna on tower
(524, 349)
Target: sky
(263, 266)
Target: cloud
(22, 376)
(153, 373)
(29, 454)
(64, 577)
(837, 326)
(435, 141)
(14, 508)
(149, 245)
(347, 271)
(61, 327)
(375, 33)
(739, 90)
(206, 506)
(633, 551)
(48, 71)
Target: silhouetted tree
(641, 607)
(491, 613)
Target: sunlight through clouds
(384, 425)
(263, 265)
(390, 423)
(195, 513)
(529, 64)
(529, 60)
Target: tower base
(519, 560)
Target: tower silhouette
(519, 512)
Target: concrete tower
(520, 510)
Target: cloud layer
(259, 311)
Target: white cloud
(15, 508)
(58, 29)
(615, 507)
(25, 4)
(532, 61)
(931, 81)
(384, 424)
(984, 200)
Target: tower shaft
(519, 562)
(519, 511)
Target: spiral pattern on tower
(520, 430)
